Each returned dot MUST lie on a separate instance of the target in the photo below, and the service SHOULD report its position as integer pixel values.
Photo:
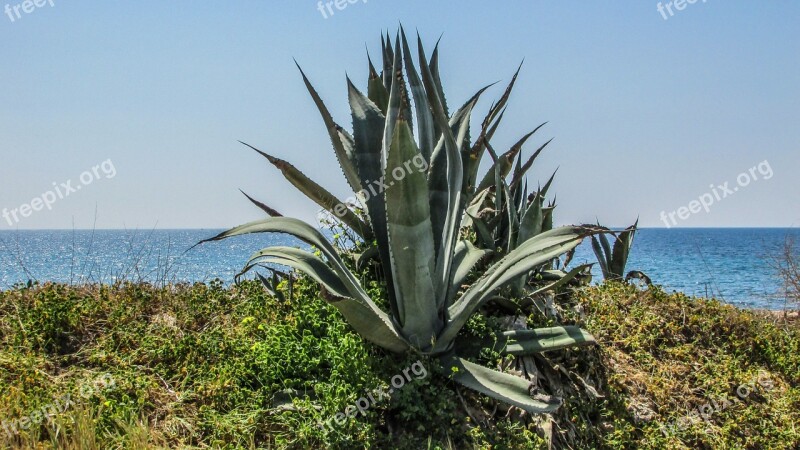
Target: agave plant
(414, 223)
(613, 260)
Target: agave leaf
(607, 254)
(388, 58)
(547, 223)
(500, 105)
(460, 121)
(498, 189)
(460, 125)
(368, 255)
(319, 195)
(527, 256)
(493, 129)
(536, 251)
(465, 259)
(272, 286)
(495, 112)
(437, 84)
(270, 212)
(303, 261)
(345, 159)
(606, 249)
(518, 164)
(543, 190)
(377, 90)
(399, 79)
(395, 101)
(500, 223)
(449, 227)
(425, 124)
(519, 193)
(601, 257)
(368, 128)
(374, 325)
(523, 202)
(472, 160)
(483, 232)
(411, 242)
(502, 165)
(622, 248)
(368, 134)
(305, 233)
(553, 274)
(528, 342)
(507, 388)
(361, 312)
(531, 224)
(562, 279)
(437, 81)
(439, 180)
(520, 174)
(533, 220)
(474, 208)
(513, 222)
(349, 145)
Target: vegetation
(788, 268)
(203, 366)
(614, 259)
(435, 273)
(413, 225)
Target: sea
(734, 265)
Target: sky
(140, 105)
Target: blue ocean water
(730, 264)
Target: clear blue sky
(646, 113)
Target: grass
(668, 355)
(204, 366)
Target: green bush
(208, 366)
